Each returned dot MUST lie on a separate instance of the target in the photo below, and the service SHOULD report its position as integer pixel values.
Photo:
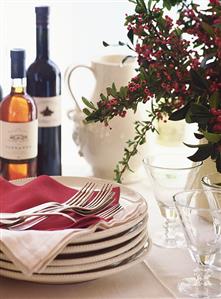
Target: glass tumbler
(169, 174)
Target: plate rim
(105, 244)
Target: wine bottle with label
(44, 84)
(18, 125)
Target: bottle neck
(42, 42)
(18, 85)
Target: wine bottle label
(49, 111)
(19, 141)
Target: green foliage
(181, 77)
(131, 150)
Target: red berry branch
(179, 72)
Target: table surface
(156, 277)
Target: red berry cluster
(216, 120)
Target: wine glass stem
(170, 229)
(202, 275)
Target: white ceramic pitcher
(101, 146)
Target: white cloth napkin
(31, 251)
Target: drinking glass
(200, 215)
(213, 180)
(169, 174)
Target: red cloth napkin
(41, 190)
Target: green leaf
(121, 43)
(218, 162)
(208, 28)
(88, 103)
(202, 153)
(188, 118)
(109, 91)
(86, 111)
(141, 7)
(123, 92)
(180, 114)
(167, 4)
(215, 100)
(149, 4)
(113, 90)
(130, 35)
(102, 96)
(178, 32)
(212, 137)
(105, 44)
(199, 109)
(198, 80)
(196, 145)
(198, 113)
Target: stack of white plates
(121, 245)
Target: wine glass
(200, 215)
(169, 174)
(213, 180)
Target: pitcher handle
(68, 74)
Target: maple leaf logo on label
(47, 112)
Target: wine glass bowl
(200, 215)
(169, 174)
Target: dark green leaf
(130, 35)
(218, 162)
(198, 80)
(167, 4)
(196, 145)
(208, 28)
(180, 114)
(215, 99)
(198, 113)
(199, 109)
(105, 44)
(121, 43)
(201, 154)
